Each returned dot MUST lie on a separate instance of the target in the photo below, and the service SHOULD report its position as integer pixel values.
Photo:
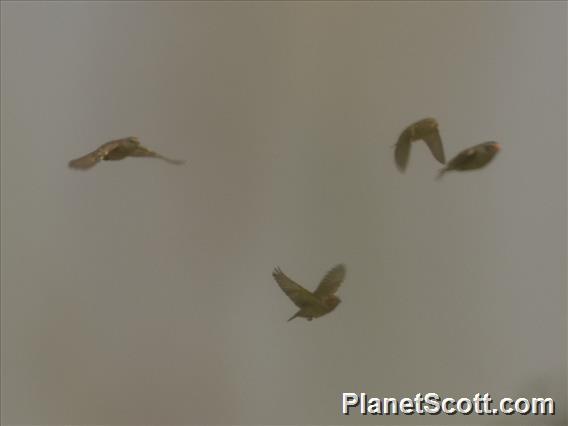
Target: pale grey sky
(140, 292)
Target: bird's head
(492, 147)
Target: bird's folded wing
(331, 282)
(463, 157)
(87, 161)
(298, 294)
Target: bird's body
(425, 130)
(313, 305)
(472, 158)
(115, 150)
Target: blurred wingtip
(77, 164)
(401, 155)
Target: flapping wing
(87, 161)
(434, 142)
(298, 294)
(142, 151)
(402, 150)
(331, 282)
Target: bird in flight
(313, 305)
(425, 130)
(117, 150)
(472, 158)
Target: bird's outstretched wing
(434, 142)
(331, 282)
(87, 161)
(402, 150)
(298, 294)
(426, 130)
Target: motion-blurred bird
(426, 130)
(320, 302)
(472, 158)
(117, 150)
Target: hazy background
(140, 292)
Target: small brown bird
(117, 150)
(426, 130)
(320, 302)
(472, 158)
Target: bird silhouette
(117, 150)
(312, 305)
(425, 130)
(472, 158)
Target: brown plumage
(313, 305)
(472, 158)
(117, 150)
(425, 130)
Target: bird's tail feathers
(142, 151)
(170, 160)
(294, 316)
(166, 159)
